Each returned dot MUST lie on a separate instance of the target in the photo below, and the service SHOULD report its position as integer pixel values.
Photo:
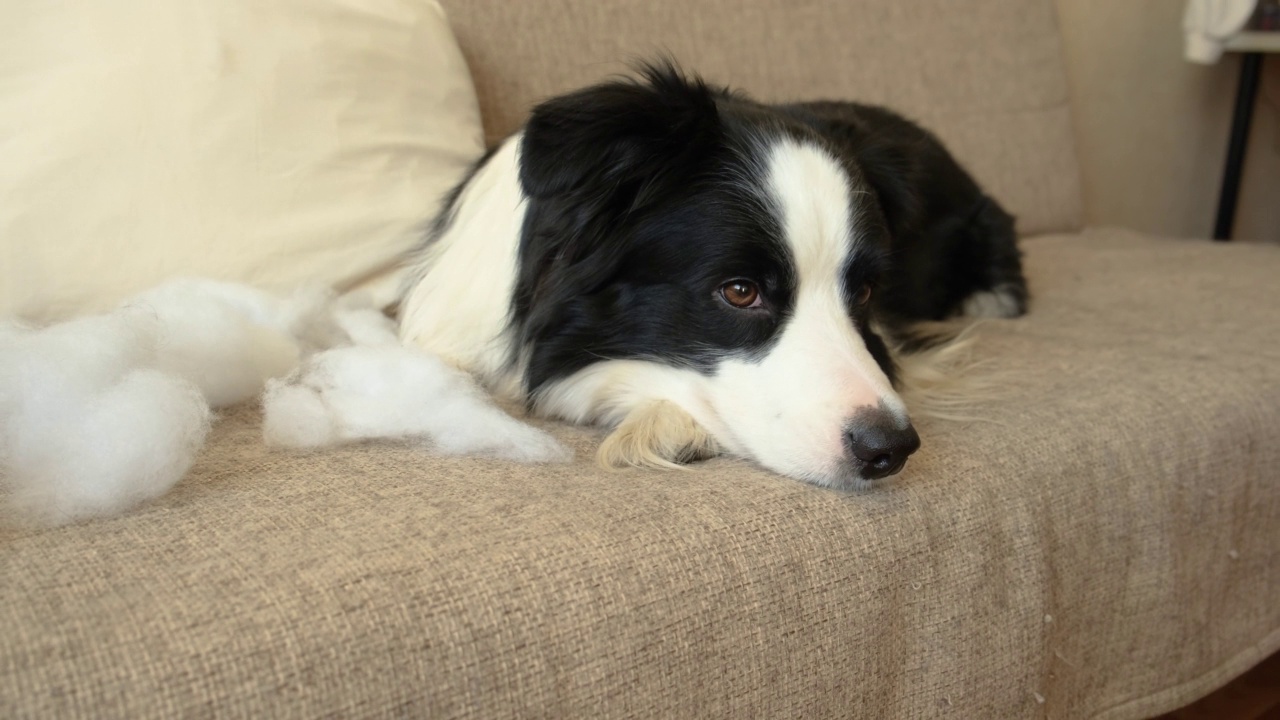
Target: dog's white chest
(459, 306)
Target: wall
(1152, 128)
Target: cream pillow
(273, 142)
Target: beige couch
(1106, 544)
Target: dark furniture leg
(1250, 69)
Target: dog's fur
(589, 267)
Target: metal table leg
(1250, 70)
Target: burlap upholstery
(987, 76)
(1108, 545)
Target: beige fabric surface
(988, 77)
(272, 142)
(1108, 545)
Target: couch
(1102, 541)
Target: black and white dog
(705, 273)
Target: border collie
(704, 273)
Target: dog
(703, 273)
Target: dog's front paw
(657, 435)
(1008, 300)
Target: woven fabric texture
(1106, 544)
(988, 77)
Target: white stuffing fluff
(389, 391)
(100, 414)
(230, 339)
(366, 326)
(227, 339)
(87, 428)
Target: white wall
(1152, 128)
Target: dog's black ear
(604, 136)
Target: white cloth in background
(1209, 23)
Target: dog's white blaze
(459, 308)
(789, 409)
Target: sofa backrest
(987, 76)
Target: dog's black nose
(880, 448)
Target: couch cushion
(988, 77)
(272, 142)
(1107, 545)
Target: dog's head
(725, 250)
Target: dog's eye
(742, 294)
(863, 296)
